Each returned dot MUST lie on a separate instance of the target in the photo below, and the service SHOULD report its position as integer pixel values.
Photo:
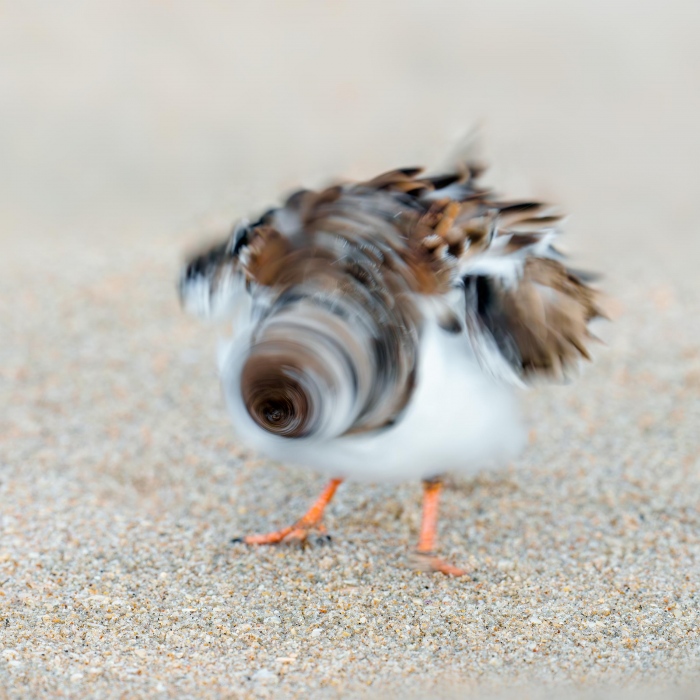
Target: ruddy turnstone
(381, 329)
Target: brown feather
(389, 239)
(546, 315)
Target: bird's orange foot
(423, 557)
(428, 562)
(288, 535)
(299, 532)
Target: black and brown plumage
(381, 328)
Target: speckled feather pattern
(382, 325)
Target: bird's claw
(428, 562)
(289, 536)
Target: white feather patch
(458, 420)
(205, 299)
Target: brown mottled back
(399, 237)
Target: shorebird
(381, 330)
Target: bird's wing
(255, 256)
(212, 279)
(520, 298)
(526, 313)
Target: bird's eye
(298, 380)
(274, 415)
(277, 412)
(275, 401)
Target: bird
(383, 329)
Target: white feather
(458, 420)
(507, 268)
(204, 300)
(453, 191)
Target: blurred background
(132, 129)
(151, 117)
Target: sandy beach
(133, 130)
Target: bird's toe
(428, 562)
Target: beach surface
(130, 132)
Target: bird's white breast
(459, 419)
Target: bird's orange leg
(425, 557)
(300, 530)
